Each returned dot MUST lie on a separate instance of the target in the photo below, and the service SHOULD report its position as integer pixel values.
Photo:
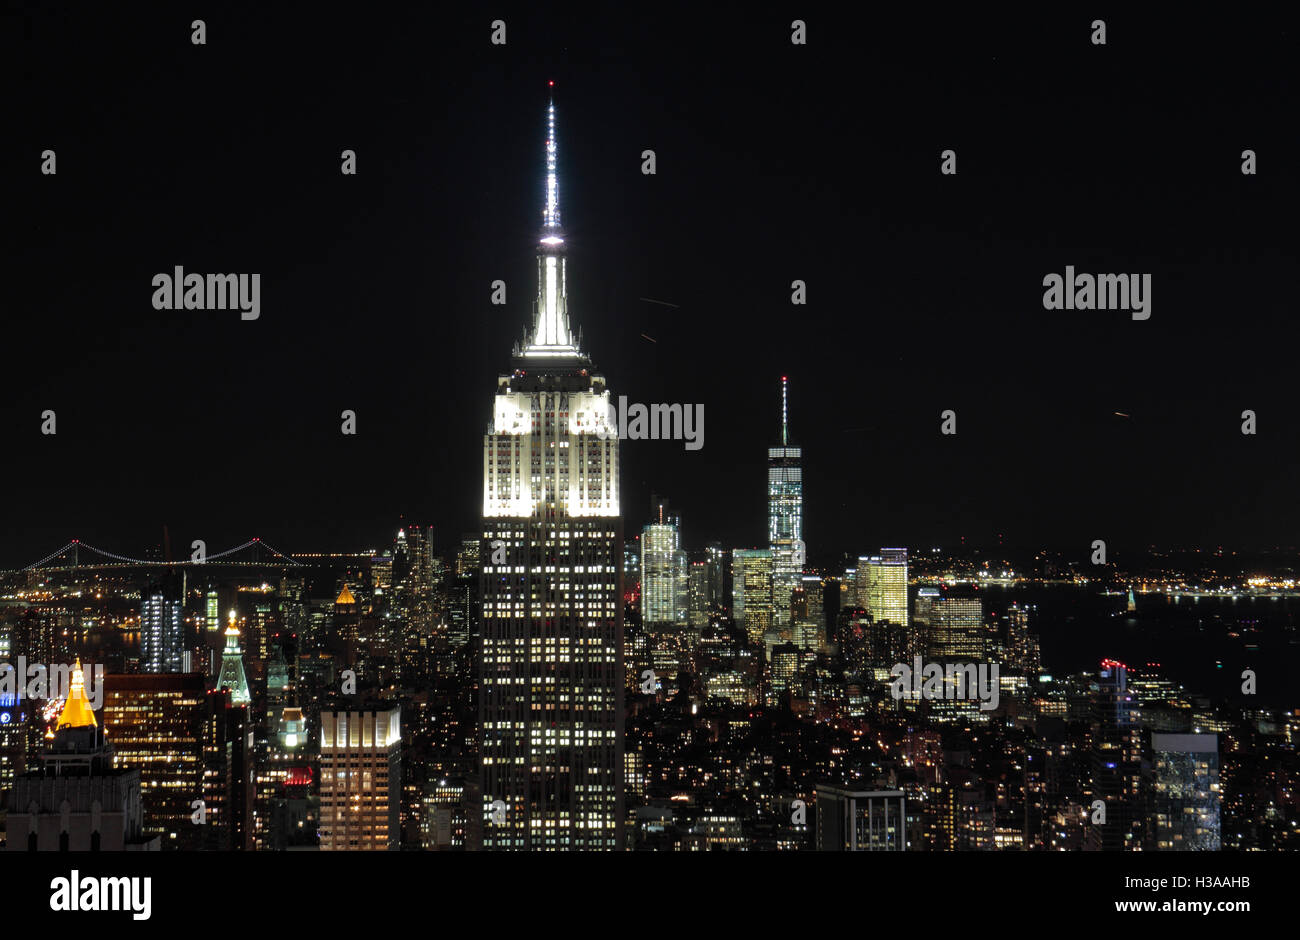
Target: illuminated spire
(551, 337)
(551, 211)
(785, 424)
(346, 596)
(232, 675)
(77, 712)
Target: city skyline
(360, 500)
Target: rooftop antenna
(785, 434)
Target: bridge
(256, 554)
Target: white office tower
(551, 670)
(661, 575)
(785, 517)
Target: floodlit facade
(551, 667)
(360, 780)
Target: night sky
(775, 162)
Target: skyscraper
(752, 591)
(785, 515)
(232, 674)
(661, 543)
(228, 757)
(463, 592)
(717, 559)
(861, 820)
(882, 585)
(213, 610)
(420, 596)
(1022, 656)
(1185, 792)
(956, 635)
(699, 594)
(1115, 762)
(156, 725)
(957, 629)
(161, 638)
(360, 779)
(551, 670)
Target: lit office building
(420, 586)
(1115, 762)
(957, 629)
(699, 595)
(446, 817)
(814, 587)
(212, 609)
(287, 810)
(785, 515)
(918, 629)
(660, 570)
(381, 573)
(861, 820)
(882, 585)
(752, 591)
(808, 627)
(551, 667)
(463, 603)
(784, 673)
(156, 724)
(717, 561)
(13, 743)
(1023, 656)
(733, 686)
(162, 640)
(361, 780)
(228, 779)
(1185, 792)
(849, 589)
(632, 574)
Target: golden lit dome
(345, 596)
(77, 712)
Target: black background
(775, 162)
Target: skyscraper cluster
(553, 682)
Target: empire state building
(551, 667)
